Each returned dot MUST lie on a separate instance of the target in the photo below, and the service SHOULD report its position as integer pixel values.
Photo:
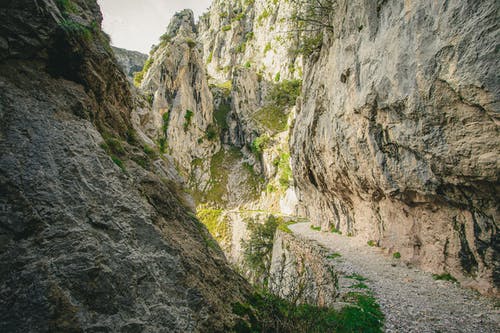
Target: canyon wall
(397, 138)
(387, 111)
(96, 234)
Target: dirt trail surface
(411, 300)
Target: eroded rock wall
(301, 271)
(397, 137)
(94, 234)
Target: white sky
(138, 24)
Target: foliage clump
(139, 76)
(260, 143)
(282, 96)
(268, 313)
(444, 277)
(187, 119)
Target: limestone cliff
(130, 61)
(94, 232)
(223, 94)
(397, 139)
(388, 112)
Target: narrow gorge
(271, 166)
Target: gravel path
(411, 299)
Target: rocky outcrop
(177, 84)
(95, 234)
(130, 61)
(302, 271)
(397, 137)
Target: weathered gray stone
(397, 139)
(84, 245)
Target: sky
(138, 24)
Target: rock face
(210, 87)
(177, 84)
(88, 245)
(397, 137)
(130, 61)
(301, 271)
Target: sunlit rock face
(397, 137)
(95, 236)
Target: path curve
(411, 300)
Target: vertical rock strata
(88, 245)
(397, 139)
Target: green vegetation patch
(333, 255)
(187, 119)
(283, 95)
(396, 255)
(444, 277)
(260, 143)
(315, 228)
(357, 277)
(66, 6)
(268, 313)
(139, 76)
(220, 116)
(217, 225)
(371, 243)
(257, 249)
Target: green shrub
(211, 132)
(187, 119)
(284, 170)
(277, 77)
(444, 277)
(190, 42)
(241, 48)
(76, 29)
(356, 277)
(113, 146)
(162, 144)
(226, 27)
(334, 255)
(309, 45)
(257, 249)
(118, 162)
(139, 76)
(315, 228)
(265, 14)
(150, 152)
(371, 243)
(132, 136)
(283, 95)
(396, 255)
(66, 6)
(239, 17)
(267, 48)
(165, 39)
(260, 143)
(268, 313)
(210, 57)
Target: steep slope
(397, 138)
(94, 235)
